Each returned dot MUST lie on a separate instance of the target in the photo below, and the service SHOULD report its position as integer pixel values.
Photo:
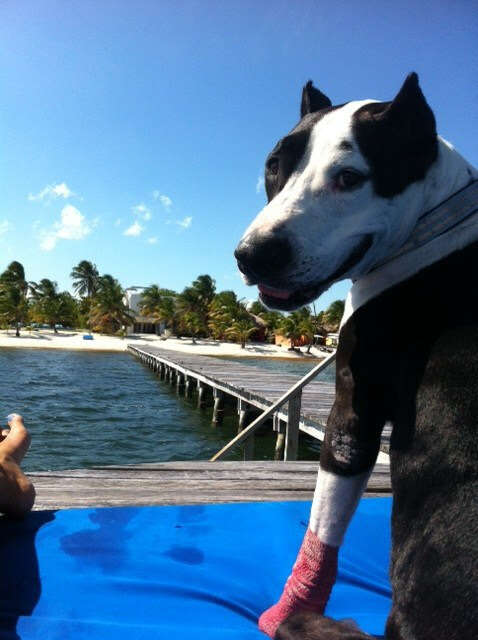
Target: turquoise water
(87, 409)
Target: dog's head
(343, 191)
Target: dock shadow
(20, 584)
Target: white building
(142, 324)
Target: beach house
(142, 324)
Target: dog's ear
(398, 138)
(312, 100)
(409, 112)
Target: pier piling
(218, 409)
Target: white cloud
(164, 199)
(53, 191)
(5, 226)
(166, 202)
(72, 226)
(142, 211)
(152, 240)
(134, 230)
(260, 184)
(185, 223)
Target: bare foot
(16, 441)
(17, 493)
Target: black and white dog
(368, 191)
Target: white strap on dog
(449, 227)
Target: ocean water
(87, 409)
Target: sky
(133, 134)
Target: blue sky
(133, 134)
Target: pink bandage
(308, 586)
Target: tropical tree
(289, 326)
(13, 295)
(333, 315)
(271, 318)
(205, 288)
(241, 329)
(306, 326)
(222, 311)
(192, 323)
(159, 304)
(85, 279)
(46, 302)
(109, 313)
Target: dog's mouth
(288, 300)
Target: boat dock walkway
(251, 386)
(186, 483)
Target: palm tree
(222, 310)
(159, 304)
(47, 302)
(205, 286)
(192, 324)
(307, 329)
(13, 295)
(290, 327)
(85, 279)
(108, 312)
(333, 315)
(241, 329)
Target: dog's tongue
(274, 293)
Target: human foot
(308, 587)
(17, 493)
(16, 441)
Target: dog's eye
(347, 179)
(273, 166)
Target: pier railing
(294, 397)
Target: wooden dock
(252, 388)
(185, 483)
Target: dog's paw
(308, 625)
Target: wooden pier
(253, 388)
(202, 482)
(186, 483)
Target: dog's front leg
(347, 458)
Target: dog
(367, 190)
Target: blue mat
(171, 573)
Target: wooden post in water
(244, 411)
(292, 429)
(179, 381)
(218, 409)
(187, 386)
(279, 428)
(201, 393)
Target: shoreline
(73, 341)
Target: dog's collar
(450, 226)
(448, 214)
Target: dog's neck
(449, 175)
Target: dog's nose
(261, 257)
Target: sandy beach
(64, 339)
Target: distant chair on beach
(87, 336)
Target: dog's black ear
(409, 111)
(398, 138)
(312, 100)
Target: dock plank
(186, 483)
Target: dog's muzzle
(267, 262)
(263, 259)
